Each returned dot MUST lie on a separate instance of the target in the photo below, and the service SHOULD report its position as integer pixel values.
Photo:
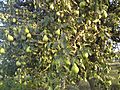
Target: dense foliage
(60, 44)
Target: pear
(29, 35)
(10, 38)
(89, 22)
(67, 62)
(58, 13)
(34, 15)
(104, 13)
(109, 82)
(28, 49)
(100, 16)
(75, 68)
(14, 20)
(27, 30)
(95, 27)
(85, 55)
(2, 50)
(52, 6)
(18, 63)
(76, 12)
(57, 32)
(96, 20)
(85, 27)
(82, 4)
(45, 38)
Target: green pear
(29, 35)
(18, 63)
(75, 68)
(28, 49)
(109, 82)
(58, 13)
(85, 55)
(67, 62)
(104, 13)
(10, 38)
(45, 38)
(14, 20)
(89, 22)
(52, 6)
(27, 30)
(2, 50)
(82, 4)
(85, 27)
(96, 20)
(57, 32)
(76, 12)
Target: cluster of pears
(74, 68)
(28, 33)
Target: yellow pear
(85, 27)
(10, 38)
(96, 20)
(95, 27)
(52, 6)
(45, 38)
(67, 62)
(28, 49)
(75, 68)
(82, 4)
(58, 13)
(18, 63)
(14, 20)
(27, 30)
(104, 13)
(2, 50)
(85, 55)
(76, 12)
(89, 22)
(29, 35)
(57, 32)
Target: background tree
(61, 42)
